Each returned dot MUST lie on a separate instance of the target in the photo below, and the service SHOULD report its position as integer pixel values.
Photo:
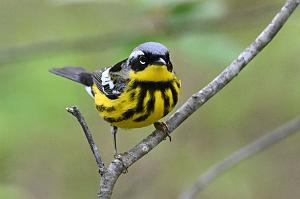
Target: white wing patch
(89, 90)
(112, 84)
(106, 80)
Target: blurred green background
(43, 153)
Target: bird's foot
(162, 126)
(119, 157)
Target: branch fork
(76, 113)
(110, 174)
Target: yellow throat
(152, 73)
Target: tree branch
(76, 113)
(117, 166)
(236, 157)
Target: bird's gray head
(149, 53)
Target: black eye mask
(142, 61)
(139, 63)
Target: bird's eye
(142, 60)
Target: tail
(76, 74)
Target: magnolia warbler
(133, 93)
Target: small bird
(133, 93)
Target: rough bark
(120, 164)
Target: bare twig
(236, 157)
(116, 167)
(76, 113)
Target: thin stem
(76, 113)
(118, 165)
(196, 100)
(236, 157)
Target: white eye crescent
(142, 60)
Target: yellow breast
(143, 102)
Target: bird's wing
(76, 74)
(113, 80)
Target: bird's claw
(162, 126)
(119, 157)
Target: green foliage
(13, 192)
(195, 12)
(210, 48)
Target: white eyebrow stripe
(135, 53)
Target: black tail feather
(76, 74)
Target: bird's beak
(160, 62)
